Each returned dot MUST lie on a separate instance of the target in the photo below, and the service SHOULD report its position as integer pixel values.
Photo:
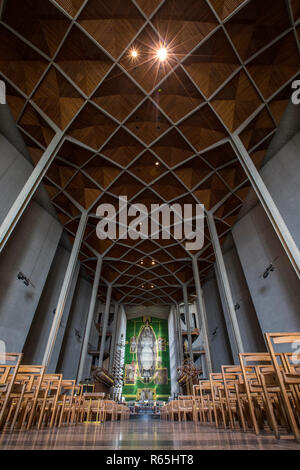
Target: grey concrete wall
(250, 330)
(281, 176)
(219, 343)
(276, 298)
(9, 130)
(30, 250)
(15, 169)
(39, 332)
(71, 348)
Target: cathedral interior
(124, 115)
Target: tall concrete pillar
(89, 322)
(188, 323)
(29, 189)
(225, 282)
(113, 338)
(104, 325)
(65, 289)
(201, 310)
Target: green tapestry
(147, 361)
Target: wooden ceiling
(67, 66)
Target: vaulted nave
(149, 225)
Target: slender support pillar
(225, 282)
(104, 325)
(202, 315)
(113, 338)
(65, 289)
(118, 326)
(179, 333)
(188, 323)
(268, 204)
(29, 189)
(89, 322)
(203, 366)
(178, 345)
(176, 336)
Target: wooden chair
(173, 410)
(206, 403)
(260, 384)
(218, 398)
(291, 364)
(48, 399)
(274, 406)
(24, 396)
(185, 407)
(65, 412)
(109, 410)
(93, 406)
(78, 404)
(122, 412)
(287, 380)
(197, 409)
(233, 387)
(165, 412)
(9, 365)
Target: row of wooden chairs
(97, 409)
(29, 397)
(263, 391)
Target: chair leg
(20, 402)
(290, 415)
(62, 412)
(269, 409)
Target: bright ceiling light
(134, 54)
(162, 54)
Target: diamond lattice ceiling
(67, 66)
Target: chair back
(9, 365)
(29, 377)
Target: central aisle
(142, 433)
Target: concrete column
(89, 322)
(268, 204)
(177, 345)
(113, 338)
(201, 310)
(225, 283)
(104, 325)
(179, 333)
(29, 189)
(203, 366)
(188, 323)
(65, 289)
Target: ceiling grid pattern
(155, 132)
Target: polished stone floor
(144, 433)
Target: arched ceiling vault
(156, 133)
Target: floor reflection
(144, 433)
